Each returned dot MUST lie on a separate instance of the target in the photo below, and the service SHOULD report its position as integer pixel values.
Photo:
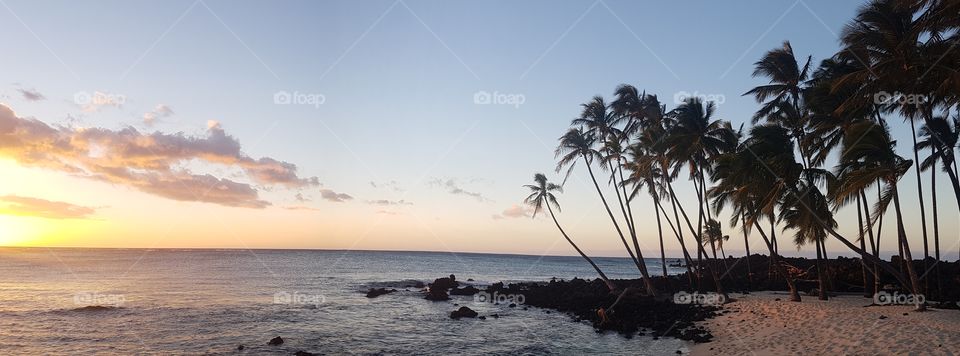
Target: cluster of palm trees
(895, 62)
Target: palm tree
(576, 145)
(716, 237)
(942, 136)
(694, 139)
(753, 180)
(542, 194)
(809, 214)
(868, 156)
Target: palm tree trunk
(641, 267)
(688, 261)
(874, 247)
(628, 216)
(673, 202)
(936, 221)
(923, 209)
(746, 245)
(700, 250)
(794, 295)
(907, 257)
(863, 246)
(663, 255)
(603, 276)
(821, 292)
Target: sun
(16, 231)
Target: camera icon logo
(482, 97)
(282, 97)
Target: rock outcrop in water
(376, 292)
(463, 312)
(437, 291)
(468, 290)
(275, 341)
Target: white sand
(760, 325)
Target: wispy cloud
(42, 208)
(386, 202)
(159, 112)
(453, 186)
(31, 94)
(391, 185)
(333, 196)
(150, 162)
(515, 211)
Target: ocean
(197, 301)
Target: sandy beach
(759, 324)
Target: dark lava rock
(463, 312)
(275, 341)
(513, 305)
(444, 283)
(437, 295)
(376, 292)
(883, 317)
(240, 348)
(468, 290)
(303, 353)
(482, 317)
(495, 316)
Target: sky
(390, 125)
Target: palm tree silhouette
(868, 156)
(542, 194)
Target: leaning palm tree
(868, 156)
(576, 145)
(753, 180)
(542, 194)
(809, 215)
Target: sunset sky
(358, 125)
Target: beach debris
(376, 292)
(463, 312)
(275, 341)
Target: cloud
(515, 211)
(159, 112)
(388, 212)
(150, 162)
(42, 208)
(452, 186)
(300, 198)
(333, 196)
(301, 207)
(31, 94)
(386, 202)
(391, 185)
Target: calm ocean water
(139, 301)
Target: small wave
(91, 309)
(404, 283)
